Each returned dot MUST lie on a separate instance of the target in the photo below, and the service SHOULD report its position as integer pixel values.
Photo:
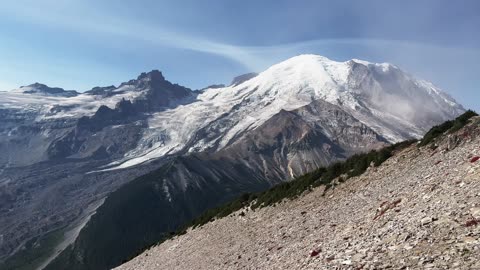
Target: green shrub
(462, 120)
(449, 126)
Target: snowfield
(57, 107)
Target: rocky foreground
(418, 210)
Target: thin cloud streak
(103, 24)
(251, 57)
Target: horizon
(79, 45)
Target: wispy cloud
(70, 16)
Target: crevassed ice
(288, 85)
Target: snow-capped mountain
(391, 102)
(60, 146)
(36, 119)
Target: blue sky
(79, 44)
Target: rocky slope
(63, 152)
(419, 210)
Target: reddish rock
(472, 222)
(314, 253)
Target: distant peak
(242, 78)
(37, 84)
(39, 88)
(154, 75)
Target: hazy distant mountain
(243, 78)
(42, 89)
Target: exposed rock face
(377, 88)
(160, 93)
(292, 143)
(418, 210)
